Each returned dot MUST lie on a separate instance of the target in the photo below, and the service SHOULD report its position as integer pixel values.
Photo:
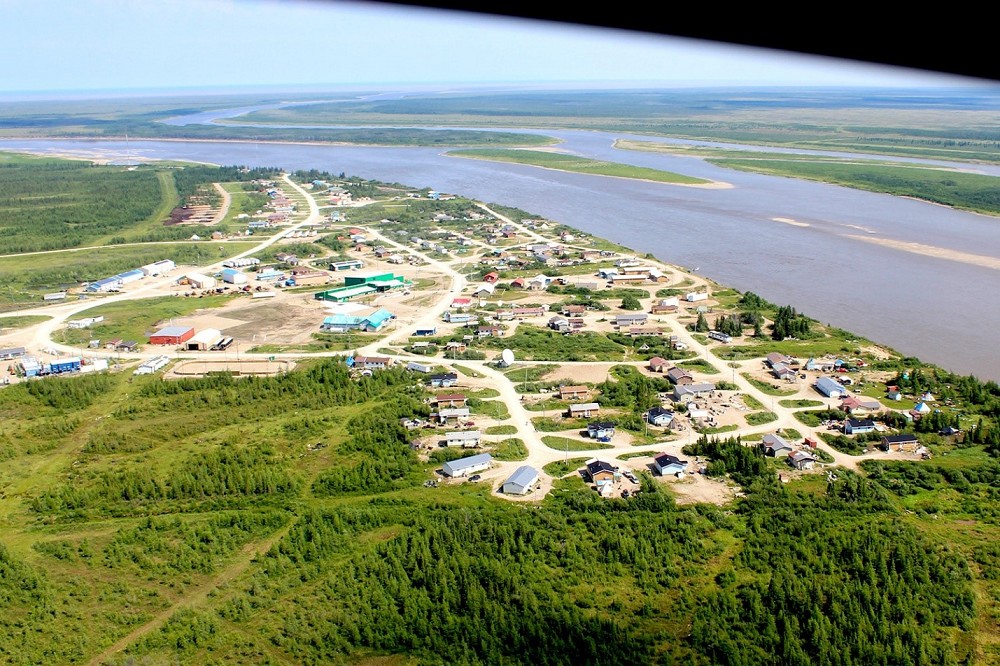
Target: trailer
(263, 294)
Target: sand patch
(934, 251)
(788, 220)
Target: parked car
(474, 478)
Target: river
(921, 278)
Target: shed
(233, 276)
(204, 340)
(521, 481)
(199, 281)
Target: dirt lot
(242, 367)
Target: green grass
(791, 433)
(501, 430)
(800, 403)
(699, 365)
(765, 387)
(717, 430)
(465, 370)
(529, 373)
(751, 402)
(563, 467)
(511, 449)
(135, 320)
(22, 322)
(760, 418)
(563, 162)
(567, 444)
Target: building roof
(861, 423)
(523, 476)
(665, 459)
(801, 456)
(379, 317)
(450, 397)
(597, 466)
(775, 442)
(584, 406)
(600, 425)
(464, 435)
(899, 439)
(471, 461)
(172, 331)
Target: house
(372, 362)
(908, 443)
(783, 371)
(572, 309)
(679, 376)
(452, 413)
(821, 366)
(575, 392)
(802, 460)
(127, 346)
(489, 332)
(560, 324)
(584, 410)
(775, 446)
(922, 408)
(668, 465)
(484, 290)
(858, 405)
(466, 466)
(12, 353)
(443, 380)
(468, 439)
(657, 364)
(858, 426)
(660, 308)
(521, 481)
(688, 392)
(461, 302)
(600, 429)
(830, 387)
(450, 400)
(774, 358)
(635, 319)
(694, 297)
(491, 277)
(576, 323)
(416, 366)
(521, 313)
(659, 416)
(460, 318)
(601, 472)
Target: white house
(667, 465)
(465, 438)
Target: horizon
(199, 44)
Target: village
(518, 329)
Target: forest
(153, 490)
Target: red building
(171, 335)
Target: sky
(80, 45)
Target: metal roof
(523, 476)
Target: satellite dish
(508, 356)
